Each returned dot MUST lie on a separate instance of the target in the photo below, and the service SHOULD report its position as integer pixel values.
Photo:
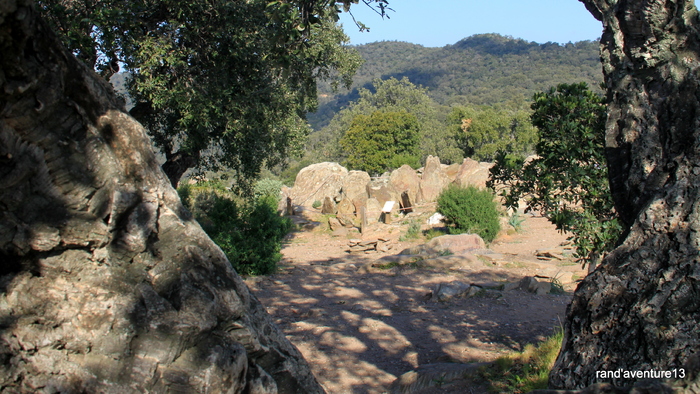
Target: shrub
(249, 233)
(469, 210)
(413, 231)
(268, 187)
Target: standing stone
(374, 210)
(345, 207)
(354, 185)
(328, 207)
(432, 181)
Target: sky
(436, 23)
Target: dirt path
(360, 331)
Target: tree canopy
(223, 83)
(483, 131)
(391, 95)
(480, 70)
(382, 141)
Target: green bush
(249, 233)
(268, 187)
(469, 210)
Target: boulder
(449, 244)
(405, 181)
(316, 182)
(473, 173)
(345, 220)
(446, 291)
(334, 223)
(532, 285)
(107, 284)
(432, 181)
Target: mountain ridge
(482, 69)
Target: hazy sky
(437, 23)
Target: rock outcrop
(108, 285)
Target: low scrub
(469, 210)
(250, 232)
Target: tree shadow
(360, 331)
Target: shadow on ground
(359, 331)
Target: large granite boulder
(316, 182)
(107, 284)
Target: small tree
(483, 131)
(381, 141)
(568, 181)
(250, 233)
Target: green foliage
(249, 233)
(376, 142)
(413, 231)
(267, 187)
(316, 205)
(568, 181)
(391, 95)
(469, 210)
(484, 131)
(484, 69)
(217, 84)
(524, 371)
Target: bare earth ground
(360, 331)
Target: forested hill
(483, 69)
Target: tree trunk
(640, 310)
(108, 285)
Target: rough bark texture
(640, 310)
(107, 283)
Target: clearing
(360, 331)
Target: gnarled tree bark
(640, 310)
(108, 285)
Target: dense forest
(484, 69)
